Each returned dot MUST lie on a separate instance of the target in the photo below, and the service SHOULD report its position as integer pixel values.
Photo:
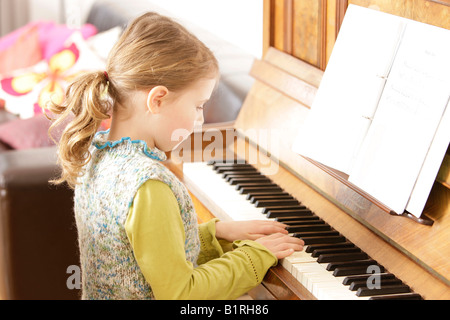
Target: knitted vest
(102, 202)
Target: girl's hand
(281, 245)
(248, 230)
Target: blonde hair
(153, 50)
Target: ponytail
(86, 105)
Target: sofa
(38, 237)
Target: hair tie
(106, 75)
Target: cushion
(27, 91)
(25, 52)
(51, 36)
(33, 132)
(6, 116)
(29, 133)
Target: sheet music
(350, 89)
(431, 166)
(407, 117)
(392, 148)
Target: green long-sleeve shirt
(155, 230)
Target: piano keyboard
(330, 266)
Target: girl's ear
(155, 98)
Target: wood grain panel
(282, 25)
(309, 25)
(295, 88)
(307, 29)
(268, 23)
(431, 12)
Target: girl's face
(180, 112)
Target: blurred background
(236, 21)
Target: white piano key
(297, 257)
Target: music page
(431, 166)
(380, 114)
(351, 87)
(407, 119)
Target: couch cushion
(25, 52)
(27, 91)
(26, 134)
(6, 116)
(51, 36)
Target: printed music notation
(382, 111)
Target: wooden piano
(416, 254)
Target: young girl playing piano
(137, 229)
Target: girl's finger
(284, 253)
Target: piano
(355, 247)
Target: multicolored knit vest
(102, 202)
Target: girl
(138, 232)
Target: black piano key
(284, 196)
(366, 292)
(350, 271)
(256, 184)
(286, 208)
(260, 189)
(234, 169)
(243, 181)
(297, 218)
(244, 177)
(228, 166)
(256, 195)
(286, 213)
(312, 248)
(316, 253)
(402, 296)
(319, 223)
(244, 173)
(301, 228)
(253, 200)
(278, 202)
(261, 185)
(252, 195)
(341, 257)
(364, 277)
(311, 234)
(354, 286)
(356, 263)
(273, 193)
(304, 222)
(229, 174)
(317, 240)
(236, 174)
